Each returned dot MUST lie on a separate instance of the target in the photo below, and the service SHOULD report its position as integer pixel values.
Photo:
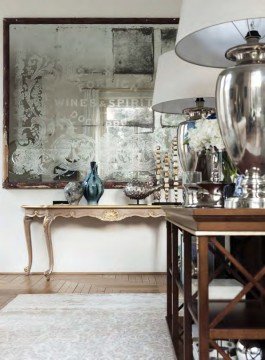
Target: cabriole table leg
(27, 222)
(47, 231)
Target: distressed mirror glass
(81, 90)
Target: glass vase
(93, 185)
(188, 157)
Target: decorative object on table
(139, 190)
(179, 89)
(191, 177)
(232, 193)
(198, 193)
(213, 162)
(253, 189)
(73, 192)
(216, 170)
(166, 175)
(210, 194)
(248, 350)
(175, 167)
(229, 190)
(93, 185)
(206, 140)
(231, 38)
(227, 346)
(238, 185)
(157, 194)
(190, 180)
(188, 155)
(206, 133)
(249, 191)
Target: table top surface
(213, 221)
(197, 221)
(67, 206)
(102, 212)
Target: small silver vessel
(139, 190)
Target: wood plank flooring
(12, 285)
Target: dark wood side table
(243, 317)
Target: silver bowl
(139, 190)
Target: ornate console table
(243, 317)
(105, 213)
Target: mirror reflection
(83, 92)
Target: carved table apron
(109, 213)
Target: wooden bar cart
(243, 316)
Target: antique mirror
(80, 90)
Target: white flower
(206, 133)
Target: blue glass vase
(93, 185)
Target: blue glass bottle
(93, 185)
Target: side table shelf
(245, 321)
(240, 317)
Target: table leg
(203, 298)
(169, 275)
(187, 298)
(47, 231)
(27, 222)
(175, 291)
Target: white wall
(82, 245)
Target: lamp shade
(179, 83)
(208, 28)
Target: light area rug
(85, 327)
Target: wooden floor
(12, 285)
